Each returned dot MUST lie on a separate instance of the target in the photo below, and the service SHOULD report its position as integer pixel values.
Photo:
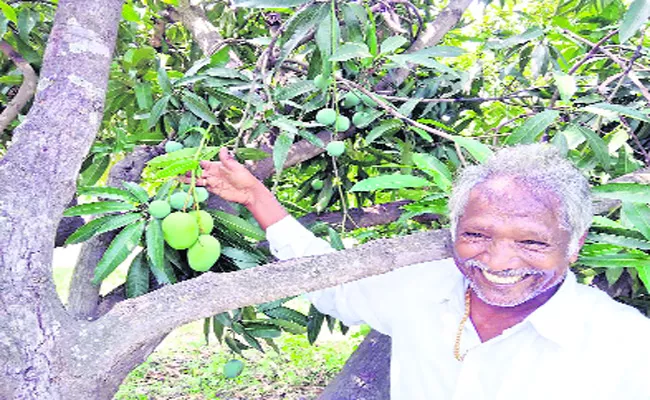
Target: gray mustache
(506, 273)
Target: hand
(227, 179)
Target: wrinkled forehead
(515, 196)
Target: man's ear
(581, 242)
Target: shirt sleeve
(368, 300)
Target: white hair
(539, 166)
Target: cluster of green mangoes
(188, 230)
(341, 123)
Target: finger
(227, 160)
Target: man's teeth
(502, 280)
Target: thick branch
(27, 88)
(434, 32)
(205, 34)
(380, 214)
(137, 320)
(38, 178)
(301, 151)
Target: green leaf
(349, 51)
(9, 12)
(639, 215)
(158, 109)
(268, 333)
(595, 142)
(325, 195)
(163, 80)
(434, 168)
(156, 251)
(137, 279)
(627, 192)
(143, 96)
(644, 274)
(368, 118)
(295, 89)
(217, 329)
(385, 127)
(281, 149)
(98, 207)
(101, 225)
(95, 171)
(230, 100)
(137, 191)
(627, 260)
(539, 60)
(566, 85)
(235, 345)
(164, 190)
(478, 150)
(239, 225)
(635, 17)
(287, 314)
(246, 153)
(613, 110)
(107, 192)
(199, 107)
(177, 168)
(624, 241)
(299, 26)
(392, 43)
(315, 324)
(529, 130)
(118, 251)
(188, 152)
(288, 326)
(27, 20)
(129, 13)
(267, 3)
(311, 138)
(395, 181)
(530, 34)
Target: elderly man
(505, 318)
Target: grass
(184, 367)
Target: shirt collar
(559, 318)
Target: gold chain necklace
(461, 357)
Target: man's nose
(501, 255)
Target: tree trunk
(37, 176)
(366, 375)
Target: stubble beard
(546, 281)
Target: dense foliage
(573, 73)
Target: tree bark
(27, 88)
(204, 33)
(37, 176)
(366, 374)
(434, 32)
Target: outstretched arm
(231, 181)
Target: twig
(461, 99)
(637, 54)
(646, 156)
(501, 125)
(388, 108)
(585, 58)
(27, 88)
(617, 60)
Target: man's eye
(474, 235)
(534, 243)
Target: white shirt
(580, 344)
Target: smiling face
(510, 243)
